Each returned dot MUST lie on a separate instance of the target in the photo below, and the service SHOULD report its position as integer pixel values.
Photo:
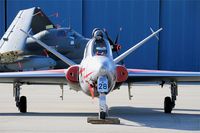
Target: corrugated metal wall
(2, 17)
(66, 9)
(179, 45)
(134, 17)
(180, 39)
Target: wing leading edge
(54, 77)
(142, 75)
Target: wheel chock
(107, 120)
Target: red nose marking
(87, 75)
(82, 70)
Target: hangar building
(179, 44)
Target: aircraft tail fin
(129, 51)
(12, 40)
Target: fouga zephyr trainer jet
(97, 75)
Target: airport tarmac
(144, 113)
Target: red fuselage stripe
(87, 75)
(82, 70)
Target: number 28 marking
(102, 86)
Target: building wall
(68, 10)
(2, 17)
(134, 17)
(177, 49)
(180, 39)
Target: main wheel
(168, 105)
(102, 115)
(23, 104)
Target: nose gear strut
(102, 89)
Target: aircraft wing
(53, 77)
(142, 75)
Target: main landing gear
(169, 102)
(21, 102)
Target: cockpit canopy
(99, 47)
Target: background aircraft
(19, 53)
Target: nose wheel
(102, 115)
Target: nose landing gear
(103, 108)
(102, 88)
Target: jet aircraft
(19, 53)
(100, 79)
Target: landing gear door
(102, 84)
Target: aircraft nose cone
(102, 70)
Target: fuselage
(96, 64)
(93, 67)
(97, 72)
